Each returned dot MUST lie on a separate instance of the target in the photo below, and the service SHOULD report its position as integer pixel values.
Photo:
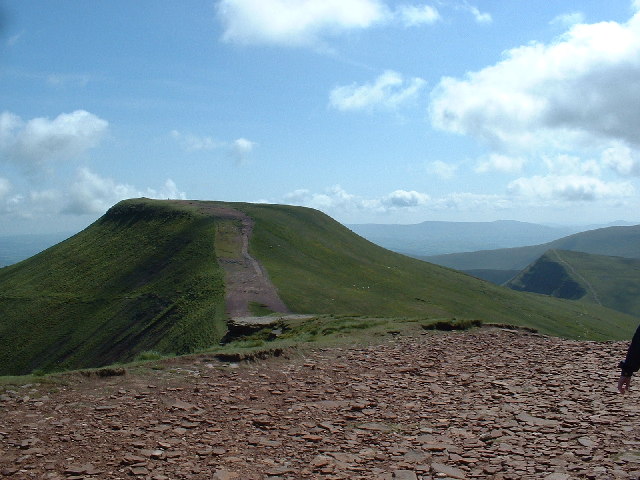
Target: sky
(372, 111)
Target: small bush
(453, 324)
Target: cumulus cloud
(332, 198)
(295, 22)
(583, 86)
(303, 23)
(569, 188)
(92, 194)
(412, 15)
(33, 143)
(500, 163)
(404, 199)
(442, 169)
(241, 149)
(389, 90)
(622, 160)
(195, 143)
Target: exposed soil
(484, 404)
(246, 280)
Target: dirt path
(488, 404)
(246, 280)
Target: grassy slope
(614, 241)
(610, 281)
(319, 266)
(142, 277)
(145, 276)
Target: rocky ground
(488, 403)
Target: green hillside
(612, 241)
(142, 277)
(320, 266)
(613, 282)
(146, 277)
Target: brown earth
(489, 403)
(246, 280)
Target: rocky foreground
(489, 403)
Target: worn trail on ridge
(246, 280)
(485, 404)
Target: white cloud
(304, 23)
(14, 39)
(93, 194)
(295, 22)
(580, 89)
(568, 19)
(33, 143)
(405, 199)
(389, 90)
(5, 187)
(412, 15)
(563, 164)
(442, 169)
(242, 148)
(569, 188)
(195, 143)
(622, 160)
(465, 201)
(500, 163)
(66, 79)
(479, 17)
(333, 198)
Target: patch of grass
(259, 309)
(149, 356)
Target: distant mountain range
(437, 238)
(612, 241)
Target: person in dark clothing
(631, 363)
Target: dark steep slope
(549, 276)
(613, 282)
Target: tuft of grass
(259, 309)
(149, 356)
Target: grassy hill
(612, 241)
(613, 282)
(142, 277)
(145, 277)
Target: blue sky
(377, 111)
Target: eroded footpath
(488, 403)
